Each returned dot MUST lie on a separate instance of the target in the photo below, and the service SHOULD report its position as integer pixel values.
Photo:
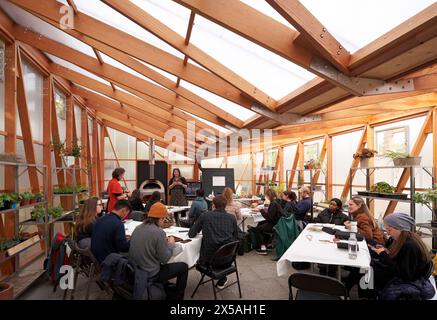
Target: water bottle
(352, 246)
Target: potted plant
(5, 201)
(364, 155)
(6, 244)
(32, 199)
(39, 197)
(402, 158)
(38, 214)
(25, 198)
(429, 199)
(15, 200)
(75, 151)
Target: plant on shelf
(382, 187)
(15, 199)
(39, 197)
(364, 155)
(26, 197)
(76, 151)
(5, 201)
(402, 158)
(55, 212)
(429, 199)
(38, 213)
(58, 146)
(6, 244)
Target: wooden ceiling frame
(138, 49)
(168, 35)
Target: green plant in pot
(38, 214)
(364, 155)
(25, 198)
(402, 158)
(39, 197)
(382, 187)
(15, 199)
(429, 199)
(56, 212)
(5, 201)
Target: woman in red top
(115, 192)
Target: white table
(308, 248)
(190, 250)
(175, 210)
(247, 213)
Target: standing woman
(85, 221)
(177, 186)
(115, 192)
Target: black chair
(225, 252)
(316, 287)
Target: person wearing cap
(405, 256)
(151, 250)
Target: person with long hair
(404, 260)
(232, 206)
(151, 249)
(289, 203)
(85, 221)
(135, 200)
(271, 216)
(334, 214)
(156, 197)
(365, 222)
(178, 186)
(115, 191)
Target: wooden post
(47, 124)
(69, 122)
(371, 145)
(322, 156)
(253, 176)
(94, 162)
(23, 112)
(102, 158)
(434, 140)
(293, 168)
(301, 160)
(84, 143)
(328, 178)
(415, 151)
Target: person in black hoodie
(135, 201)
(405, 259)
(333, 214)
(272, 215)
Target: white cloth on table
(308, 248)
(185, 252)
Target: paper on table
(258, 217)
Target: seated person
(404, 261)
(334, 214)
(272, 216)
(218, 228)
(109, 234)
(289, 203)
(91, 208)
(232, 207)
(365, 222)
(156, 197)
(198, 207)
(151, 250)
(303, 205)
(135, 201)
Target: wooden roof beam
(313, 32)
(187, 40)
(159, 29)
(96, 30)
(73, 5)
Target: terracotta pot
(24, 202)
(364, 162)
(32, 201)
(6, 291)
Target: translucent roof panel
(265, 8)
(98, 93)
(356, 24)
(267, 71)
(123, 67)
(73, 67)
(106, 14)
(164, 73)
(228, 106)
(213, 125)
(32, 22)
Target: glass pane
(33, 85)
(78, 122)
(61, 112)
(142, 151)
(129, 166)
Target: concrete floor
(258, 279)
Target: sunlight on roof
(224, 104)
(357, 24)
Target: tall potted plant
(364, 155)
(429, 199)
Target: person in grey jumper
(150, 249)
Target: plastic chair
(227, 251)
(316, 287)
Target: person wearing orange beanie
(151, 250)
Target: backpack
(59, 255)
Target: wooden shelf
(33, 222)
(23, 207)
(382, 198)
(9, 257)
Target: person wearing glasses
(91, 208)
(109, 235)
